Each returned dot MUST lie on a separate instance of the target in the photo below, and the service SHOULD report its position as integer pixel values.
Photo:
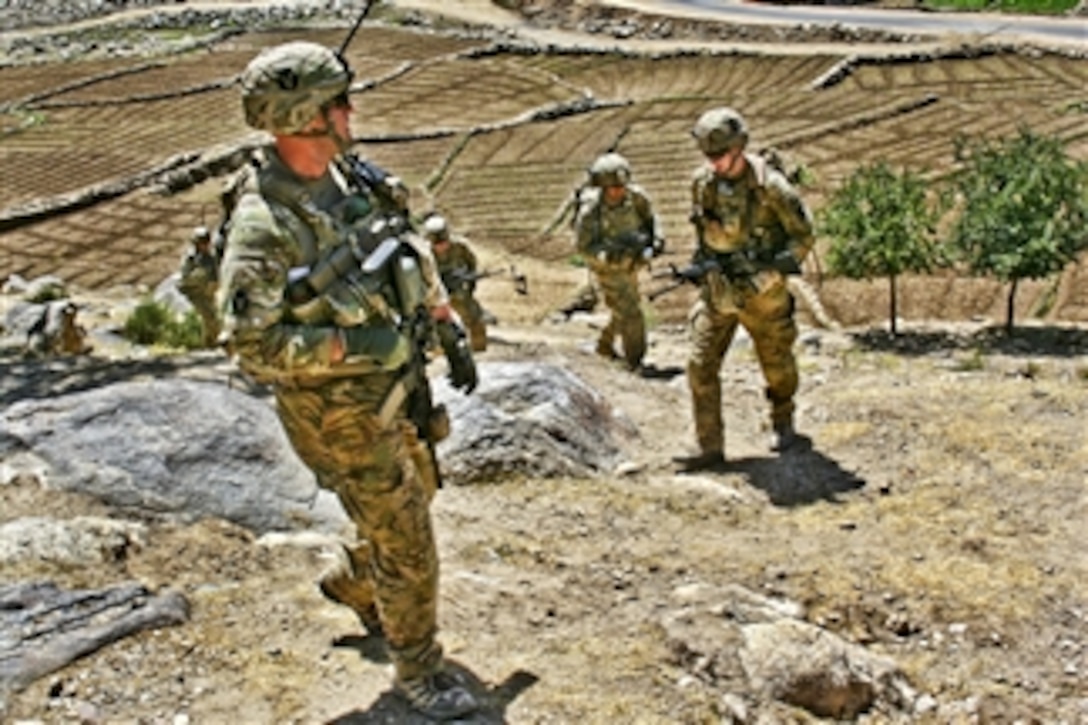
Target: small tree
(882, 224)
(1023, 209)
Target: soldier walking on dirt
(617, 233)
(199, 282)
(752, 229)
(457, 266)
(321, 292)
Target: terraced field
(497, 137)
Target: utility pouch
(379, 347)
(438, 424)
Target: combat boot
(606, 350)
(705, 461)
(438, 696)
(783, 437)
(342, 585)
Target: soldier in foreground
(199, 282)
(331, 301)
(752, 230)
(617, 233)
(457, 265)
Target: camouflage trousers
(619, 287)
(385, 482)
(203, 301)
(768, 318)
(470, 312)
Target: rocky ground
(934, 520)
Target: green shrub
(882, 223)
(1023, 209)
(153, 323)
(1036, 7)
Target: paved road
(1064, 30)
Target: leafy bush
(153, 323)
(883, 224)
(1023, 209)
(1036, 7)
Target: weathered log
(43, 628)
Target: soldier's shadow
(391, 709)
(370, 647)
(797, 476)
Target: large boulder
(174, 446)
(531, 419)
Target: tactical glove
(693, 273)
(458, 355)
(786, 263)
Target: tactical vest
(375, 277)
(741, 207)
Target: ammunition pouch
(438, 424)
(376, 348)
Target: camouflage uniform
(56, 332)
(453, 262)
(599, 226)
(757, 215)
(346, 419)
(199, 282)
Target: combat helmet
(435, 228)
(609, 169)
(286, 86)
(720, 130)
(201, 236)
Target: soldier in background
(57, 332)
(617, 233)
(199, 282)
(457, 265)
(751, 225)
(323, 295)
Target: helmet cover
(287, 86)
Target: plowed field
(497, 137)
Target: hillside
(468, 114)
(934, 520)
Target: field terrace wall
(498, 136)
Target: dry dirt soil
(936, 518)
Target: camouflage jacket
(199, 272)
(603, 232)
(281, 225)
(457, 260)
(760, 212)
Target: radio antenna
(354, 29)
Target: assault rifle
(690, 274)
(739, 267)
(629, 245)
(422, 411)
(460, 278)
(374, 180)
(342, 262)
